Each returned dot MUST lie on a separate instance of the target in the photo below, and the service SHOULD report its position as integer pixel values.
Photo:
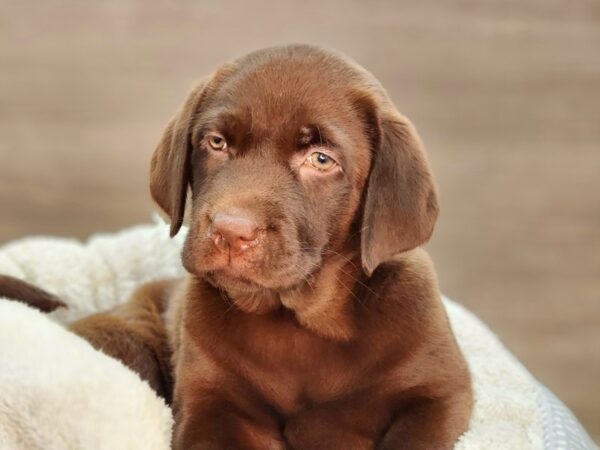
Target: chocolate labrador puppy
(311, 318)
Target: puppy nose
(234, 230)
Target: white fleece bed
(57, 392)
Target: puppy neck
(325, 304)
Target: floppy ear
(400, 206)
(170, 167)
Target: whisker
(360, 230)
(360, 282)
(354, 278)
(227, 300)
(342, 256)
(350, 291)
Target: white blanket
(57, 392)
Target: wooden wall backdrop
(506, 95)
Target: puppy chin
(245, 294)
(238, 283)
(231, 283)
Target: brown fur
(134, 333)
(327, 331)
(19, 290)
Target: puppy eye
(321, 161)
(216, 141)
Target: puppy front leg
(429, 424)
(212, 423)
(332, 427)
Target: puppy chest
(293, 375)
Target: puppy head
(291, 154)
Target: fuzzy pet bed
(57, 392)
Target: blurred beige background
(505, 94)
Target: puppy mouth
(234, 280)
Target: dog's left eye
(216, 141)
(321, 161)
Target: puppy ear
(170, 166)
(401, 206)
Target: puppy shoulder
(407, 305)
(406, 290)
(408, 273)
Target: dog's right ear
(170, 167)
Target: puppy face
(291, 154)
